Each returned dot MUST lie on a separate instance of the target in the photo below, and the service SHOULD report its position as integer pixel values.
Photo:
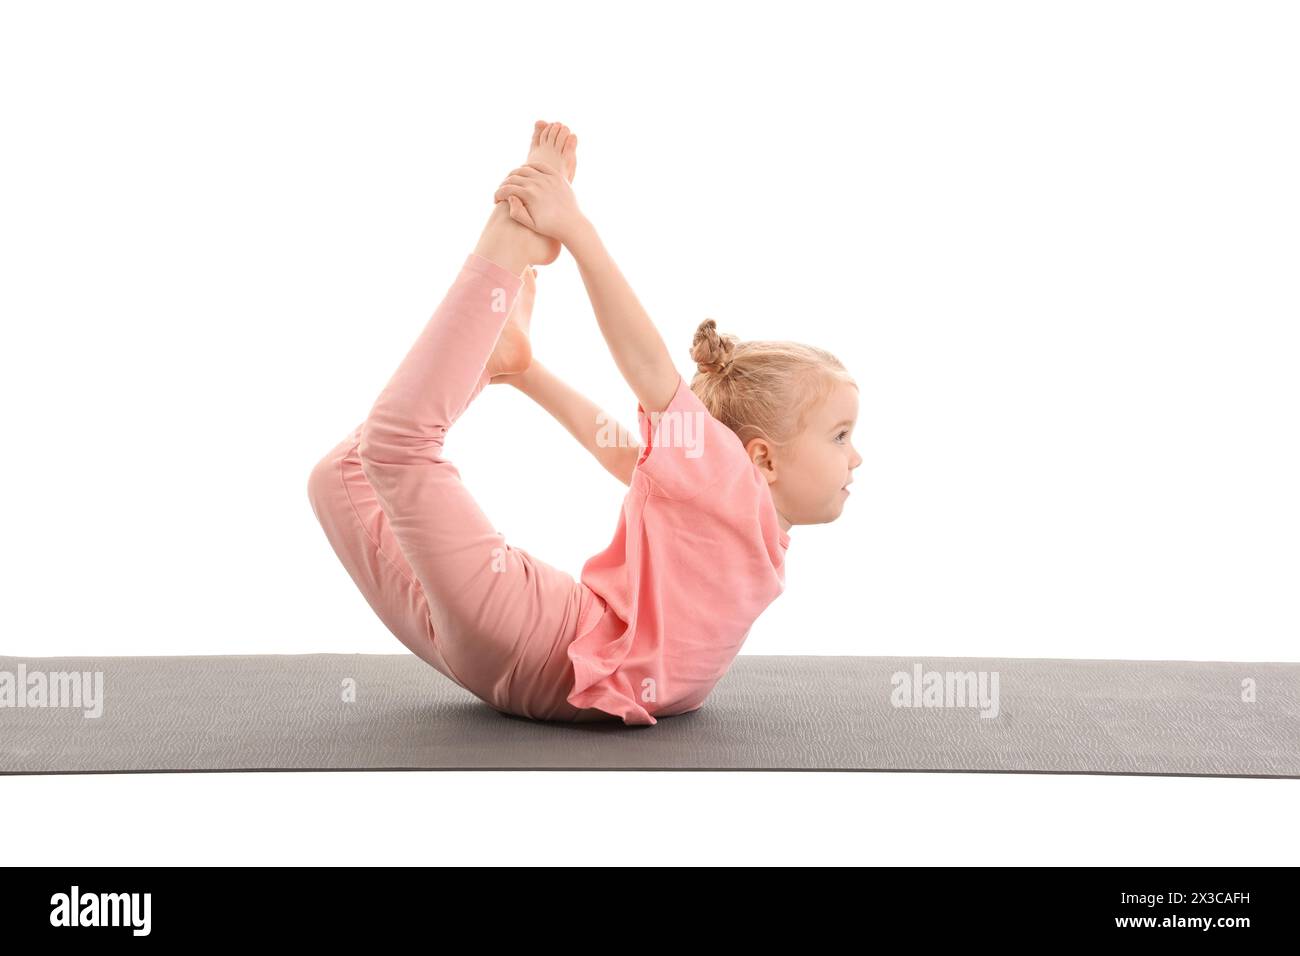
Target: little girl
(757, 443)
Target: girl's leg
(500, 618)
(357, 529)
(488, 615)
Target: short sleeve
(685, 449)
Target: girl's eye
(841, 434)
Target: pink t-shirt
(698, 554)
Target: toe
(569, 157)
(538, 129)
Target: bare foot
(556, 145)
(514, 352)
(518, 248)
(512, 244)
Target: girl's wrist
(580, 237)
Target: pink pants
(486, 614)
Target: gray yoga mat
(295, 712)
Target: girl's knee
(380, 445)
(323, 482)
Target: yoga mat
(392, 711)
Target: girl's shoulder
(685, 450)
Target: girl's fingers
(509, 190)
(542, 168)
(521, 187)
(519, 213)
(527, 171)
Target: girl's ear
(760, 454)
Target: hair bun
(712, 350)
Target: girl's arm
(542, 199)
(638, 348)
(616, 448)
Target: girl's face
(808, 477)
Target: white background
(1056, 244)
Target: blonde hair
(761, 389)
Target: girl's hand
(542, 199)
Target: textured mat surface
(388, 712)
